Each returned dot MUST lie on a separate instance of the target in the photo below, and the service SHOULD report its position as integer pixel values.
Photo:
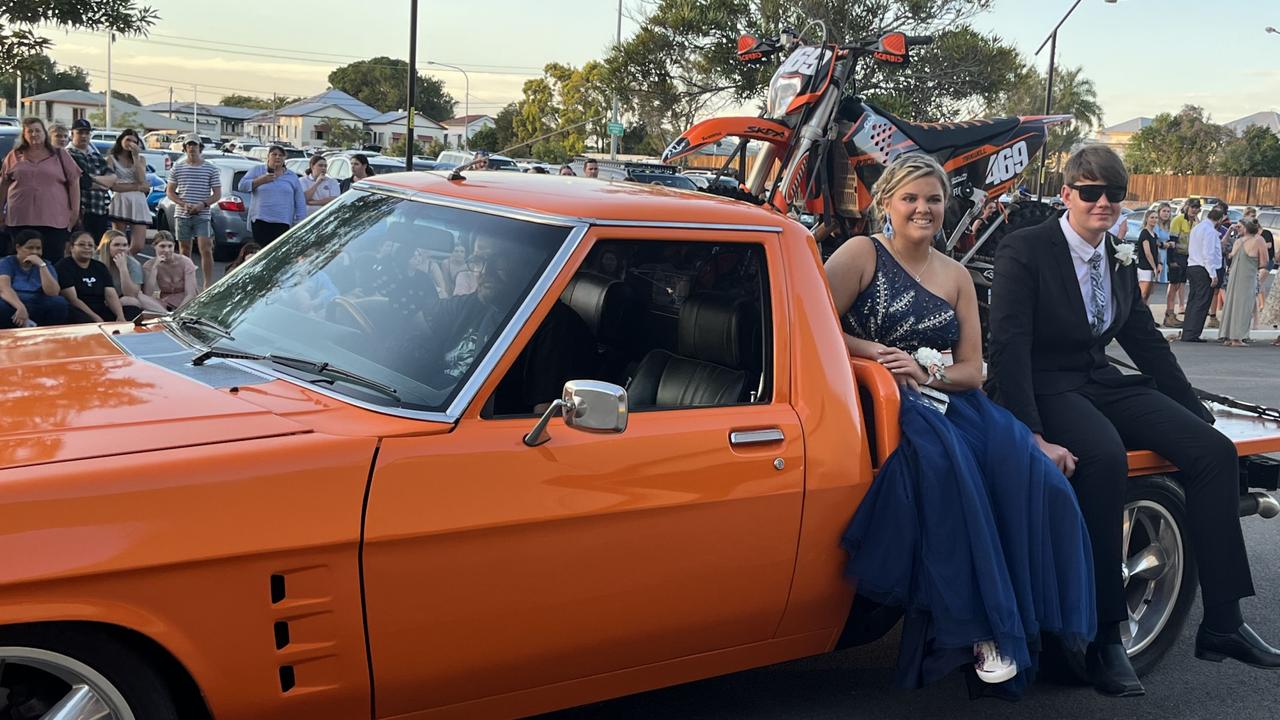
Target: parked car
(161, 162)
(671, 180)
(158, 185)
(456, 158)
(9, 135)
(270, 505)
(298, 166)
(229, 216)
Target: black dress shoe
(1110, 671)
(1243, 645)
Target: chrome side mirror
(587, 405)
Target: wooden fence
(1235, 190)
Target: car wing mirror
(587, 405)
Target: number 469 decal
(1007, 163)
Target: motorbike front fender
(715, 129)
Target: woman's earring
(888, 227)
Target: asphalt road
(857, 683)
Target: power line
(276, 54)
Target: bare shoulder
(850, 269)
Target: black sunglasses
(1092, 193)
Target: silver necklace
(924, 267)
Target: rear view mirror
(587, 405)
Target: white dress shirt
(1081, 251)
(1206, 247)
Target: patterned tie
(1097, 302)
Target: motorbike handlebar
(915, 40)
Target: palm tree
(1073, 94)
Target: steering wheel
(361, 320)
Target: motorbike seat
(932, 137)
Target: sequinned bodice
(898, 311)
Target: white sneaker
(991, 666)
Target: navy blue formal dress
(968, 526)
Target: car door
(492, 567)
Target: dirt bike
(829, 146)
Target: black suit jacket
(1041, 343)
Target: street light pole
(613, 139)
(1052, 42)
(410, 141)
(466, 101)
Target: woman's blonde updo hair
(903, 170)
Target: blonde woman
(977, 589)
(126, 274)
(1164, 214)
(1149, 267)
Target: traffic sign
(615, 129)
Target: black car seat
(715, 332)
(611, 311)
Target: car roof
(585, 198)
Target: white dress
(128, 206)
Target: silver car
(229, 216)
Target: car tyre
(47, 665)
(1161, 576)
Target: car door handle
(739, 438)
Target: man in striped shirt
(194, 186)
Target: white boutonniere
(1125, 254)
(933, 363)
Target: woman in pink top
(170, 275)
(40, 189)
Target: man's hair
(590, 161)
(26, 236)
(1098, 163)
(1216, 214)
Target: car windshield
(673, 181)
(358, 286)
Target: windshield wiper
(314, 367)
(202, 323)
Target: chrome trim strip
(487, 208)
(756, 437)
(500, 346)
(533, 216)
(683, 225)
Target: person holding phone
(317, 187)
(278, 199)
(29, 288)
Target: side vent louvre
(286, 678)
(282, 634)
(277, 589)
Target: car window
(236, 177)
(678, 324)
(354, 287)
(339, 168)
(7, 142)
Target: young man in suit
(1061, 294)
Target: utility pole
(274, 104)
(195, 111)
(170, 101)
(613, 139)
(18, 99)
(410, 142)
(111, 38)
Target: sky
(1143, 55)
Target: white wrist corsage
(1124, 254)
(932, 362)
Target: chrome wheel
(1152, 570)
(38, 684)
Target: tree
(486, 138)
(505, 125)
(256, 103)
(382, 83)
(682, 64)
(40, 74)
(1256, 153)
(570, 102)
(1182, 144)
(1073, 94)
(118, 119)
(19, 20)
(338, 134)
(433, 148)
(126, 97)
